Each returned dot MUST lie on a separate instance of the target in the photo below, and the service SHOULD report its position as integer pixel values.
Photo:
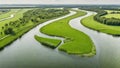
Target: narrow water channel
(26, 52)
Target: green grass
(112, 15)
(91, 23)
(18, 14)
(109, 11)
(109, 15)
(1, 12)
(22, 30)
(6, 15)
(48, 42)
(19, 31)
(10, 38)
(76, 42)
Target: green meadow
(112, 15)
(91, 23)
(109, 15)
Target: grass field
(112, 15)
(91, 23)
(76, 42)
(9, 38)
(3, 12)
(109, 15)
(109, 11)
(18, 14)
(48, 42)
(5, 15)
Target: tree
(6, 24)
(2, 27)
(9, 31)
(1, 33)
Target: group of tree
(115, 12)
(2, 11)
(100, 16)
(9, 31)
(108, 21)
(39, 14)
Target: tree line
(40, 14)
(115, 12)
(100, 16)
(108, 21)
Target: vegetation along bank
(24, 20)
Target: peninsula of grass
(112, 16)
(48, 42)
(91, 23)
(76, 42)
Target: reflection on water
(26, 52)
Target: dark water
(26, 52)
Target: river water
(26, 52)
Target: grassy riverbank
(91, 23)
(23, 22)
(18, 13)
(76, 42)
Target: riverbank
(92, 24)
(18, 13)
(75, 41)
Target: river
(26, 52)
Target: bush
(9, 31)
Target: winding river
(26, 52)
